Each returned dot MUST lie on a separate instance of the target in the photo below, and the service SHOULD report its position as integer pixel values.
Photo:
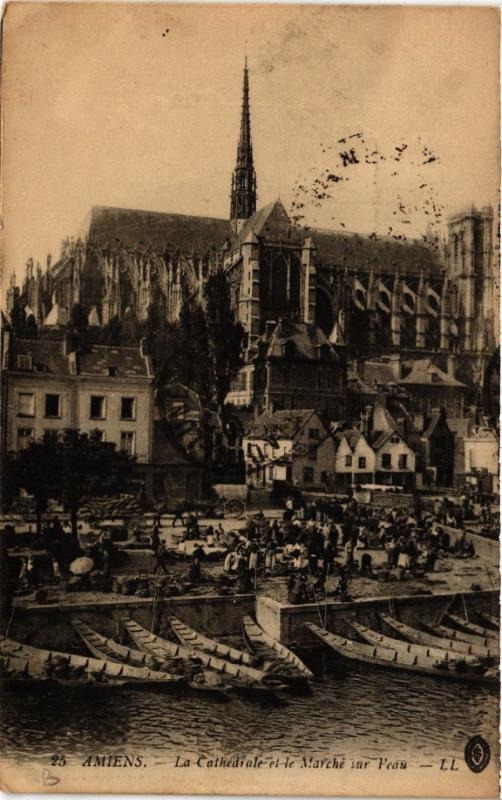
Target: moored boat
(241, 676)
(471, 627)
(426, 651)
(278, 658)
(193, 638)
(269, 648)
(385, 657)
(423, 637)
(202, 644)
(58, 662)
(32, 674)
(459, 636)
(489, 619)
(102, 647)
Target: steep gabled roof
(272, 222)
(131, 227)
(307, 340)
(126, 361)
(433, 424)
(422, 371)
(352, 435)
(380, 253)
(287, 424)
(46, 355)
(379, 373)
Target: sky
(138, 106)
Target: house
(420, 384)
(49, 386)
(428, 387)
(481, 457)
(355, 458)
(395, 460)
(292, 366)
(293, 445)
(437, 450)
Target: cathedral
(340, 293)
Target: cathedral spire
(243, 196)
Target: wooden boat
(471, 627)
(92, 667)
(282, 661)
(488, 619)
(244, 680)
(434, 653)
(20, 673)
(188, 636)
(202, 644)
(102, 647)
(422, 637)
(270, 650)
(459, 636)
(159, 647)
(385, 657)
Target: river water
(354, 710)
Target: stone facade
(50, 387)
(293, 446)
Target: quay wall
(50, 627)
(286, 622)
(487, 549)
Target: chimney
(368, 420)
(450, 366)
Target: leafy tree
(194, 362)
(35, 469)
(89, 466)
(69, 468)
(225, 335)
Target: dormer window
(24, 362)
(434, 377)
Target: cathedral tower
(243, 195)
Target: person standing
(155, 538)
(161, 558)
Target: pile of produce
(121, 505)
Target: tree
(35, 469)
(89, 466)
(225, 335)
(68, 468)
(194, 362)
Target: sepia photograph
(249, 399)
